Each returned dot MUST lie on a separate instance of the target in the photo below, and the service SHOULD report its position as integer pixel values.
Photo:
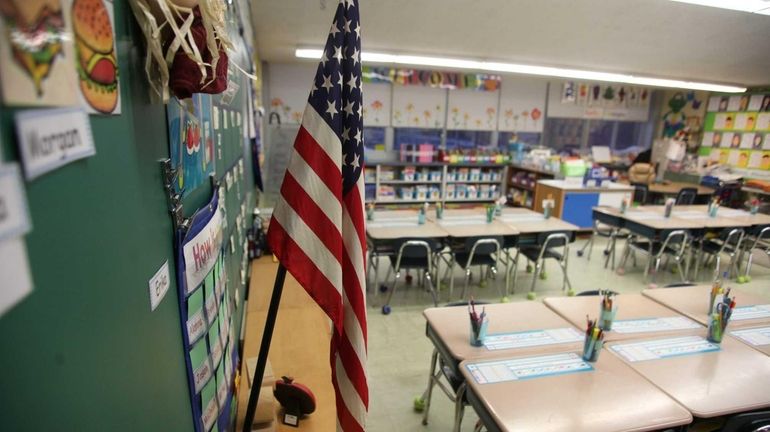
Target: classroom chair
(674, 246)
(729, 242)
(595, 293)
(679, 285)
(455, 391)
(477, 251)
(757, 421)
(611, 233)
(686, 196)
(549, 243)
(413, 255)
(377, 250)
(761, 243)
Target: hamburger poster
(96, 64)
(36, 53)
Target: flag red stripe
(313, 216)
(354, 292)
(345, 418)
(305, 272)
(353, 202)
(353, 368)
(319, 161)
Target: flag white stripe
(326, 138)
(316, 188)
(309, 242)
(349, 395)
(351, 325)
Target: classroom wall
(84, 352)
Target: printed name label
(159, 284)
(751, 312)
(531, 338)
(663, 348)
(210, 413)
(49, 139)
(653, 325)
(754, 336)
(14, 217)
(202, 375)
(195, 326)
(527, 368)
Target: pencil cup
(478, 332)
(669, 207)
(370, 213)
(715, 330)
(490, 213)
(606, 317)
(421, 218)
(754, 209)
(623, 206)
(713, 210)
(591, 350)
(439, 211)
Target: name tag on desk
(527, 368)
(653, 325)
(663, 348)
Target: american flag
(317, 229)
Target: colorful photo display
(737, 131)
(59, 53)
(604, 95)
(36, 53)
(191, 141)
(206, 299)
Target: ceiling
(645, 37)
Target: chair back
(686, 196)
(728, 193)
(415, 248)
(557, 239)
(483, 245)
(677, 241)
(763, 236)
(594, 293)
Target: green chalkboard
(84, 352)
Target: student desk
(448, 329)
(755, 337)
(529, 222)
(630, 307)
(471, 223)
(669, 188)
(693, 302)
(611, 397)
(699, 214)
(646, 222)
(734, 378)
(573, 201)
(391, 225)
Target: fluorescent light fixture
(513, 68)
(751, 6)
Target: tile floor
(399, 352)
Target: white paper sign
(751, 312)
(653, 325)
(201, 252)
(754, 336)
(49, 139)
(14, 218)
(17, 280)
(663, 348)
(159, 284)
(532, 338)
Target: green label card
(209, 405)
(199, 358)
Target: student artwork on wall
(418, 107)
(604, 95)
(96, 62)
(681, 109)
(739, 124)
(431, 78)
(472, 110)
(191, 141)
(376, 104)
(289, 89)
(36, 55)
(522, 104)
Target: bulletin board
(737, 132)
(471, 109)
(419, 107)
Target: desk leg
(459, 407)
(431, 382)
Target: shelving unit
(522, 181)
(416, 183)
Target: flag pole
(264, 348)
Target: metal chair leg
(432, 377)
(467, 282)
(432, 289)
(392, 288)
(535, 275)
(649, 262)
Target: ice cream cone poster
(36, 53)
(95, 60)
